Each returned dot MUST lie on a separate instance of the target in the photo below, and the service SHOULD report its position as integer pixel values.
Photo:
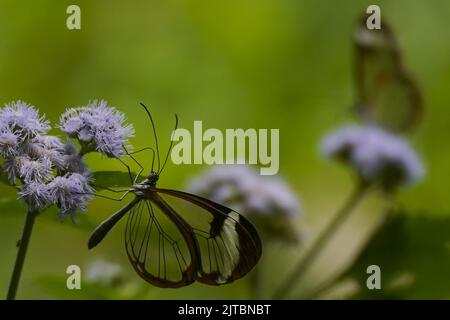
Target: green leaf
(413, 253)
(113, 179)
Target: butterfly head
(152, 178)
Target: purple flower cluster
(71, 192)
(40, 164)
(19, 122)
(97, 127)
(48, 171)
(378, 156)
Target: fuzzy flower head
(71, 193)
(28, 169)
(11, 167)
(49, 147)
(97, 127)
(36, 195)
(35, 160)
(266, 201)
(378, 156)
(74, 162)
(49, 171)
(39, 170)
(22, 120)
(9, 143)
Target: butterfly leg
(109, 189)
(146, 148)
(123, 191)
(130, 154)
(137, 162)
(121, 161)
(140, 150)
(128, 169)
(111, 198)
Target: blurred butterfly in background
(386, 94)
(171, 245)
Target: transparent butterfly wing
(386, 95)
(398, 106)
(156, 248)
(174, 238)
(228, 244)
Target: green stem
(321, 241)
(20, 258)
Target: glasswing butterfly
(170, 248)
(386, 94)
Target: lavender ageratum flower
(74, 161)
(71, 193)
(97, 127)
(266, 201)
(22, 120)
(49, 147)
(11, 168)
(39, 170)
(36, 195)
(9, 143)
(378, 156)
(341, 143)
(27, 169)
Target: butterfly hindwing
(229, 246)
(156, 247)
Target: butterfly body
(144, 188)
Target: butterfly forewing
(156, 247)
(228, 245)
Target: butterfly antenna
(171, 145)
(154, 134)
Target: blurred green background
(240, 63)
